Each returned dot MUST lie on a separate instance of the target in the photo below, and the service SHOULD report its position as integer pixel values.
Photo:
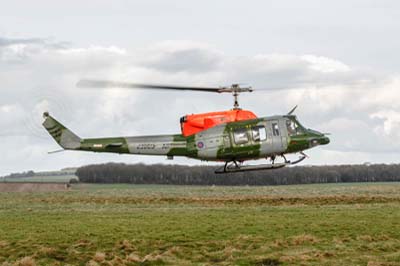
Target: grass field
(340, 224)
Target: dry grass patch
(92, 263)
(278, 243)
(297, 256)
(82, 243)
(370, 238)
(133, 258)
(117, 261)
(324, 254)
(152, 257)
(304, 239)
(125, 245)
(242, 200)
(99, 257)
(377, 263)
(287, 258)
(3, 244)
(229, 251)
(341, 241)
(366, 238)
(173, 251)
(26, 261)
(46, 251)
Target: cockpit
(294, 128)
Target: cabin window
(240, 136)
(259, 133)
(275, 129)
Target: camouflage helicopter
(232, 136)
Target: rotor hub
(235, 89)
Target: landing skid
(233, 166)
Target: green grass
(337, 224)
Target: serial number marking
(146, 146)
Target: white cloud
(93, 50)
(391, 124)
(181, 56)
(324, 64)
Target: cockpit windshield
(294, 127)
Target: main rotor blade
(354, 85)
(86, 83)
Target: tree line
(29, 173)
(204, 175)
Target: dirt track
(32, 187)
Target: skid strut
(233, 166)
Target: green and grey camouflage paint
(226, 142)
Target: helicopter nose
(324, 140)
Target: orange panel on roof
(191, 124)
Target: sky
(339, 58)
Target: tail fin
(64, 137)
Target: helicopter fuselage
(234, 141)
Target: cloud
(4, 42)
(184, 56)
(18, 50)
(390, 127)
(324, 64)
(39, 75)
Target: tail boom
(168, 145)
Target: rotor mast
(236, 102)
(235, 89)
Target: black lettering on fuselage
(146, 146)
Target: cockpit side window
(293, 128)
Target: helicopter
(232, 137)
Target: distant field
(32, 187)
(42, 179)
(330, 224)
